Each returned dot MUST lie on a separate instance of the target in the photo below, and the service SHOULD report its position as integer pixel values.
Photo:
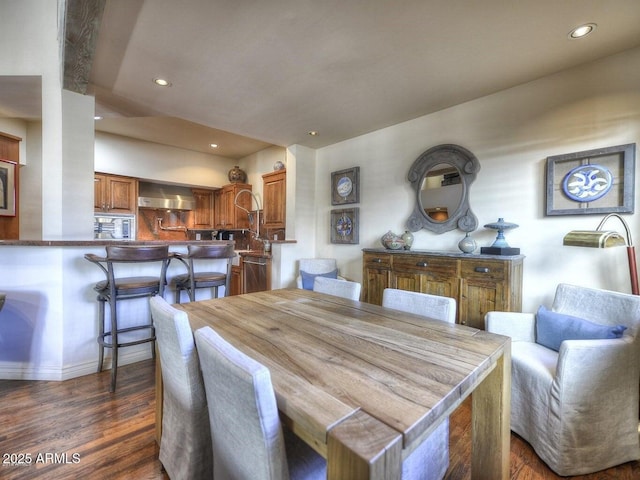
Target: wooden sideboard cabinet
(479, 283)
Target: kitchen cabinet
(478, 283)
(236, 280)
(203, 213)
(226, 215)
(115, 194)
(274, 193)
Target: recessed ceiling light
(97, 117)
(213, 145)
(313, 133)
(162, 82)
(582, 30)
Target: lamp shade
(593, 239)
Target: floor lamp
(599, 238)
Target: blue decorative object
(587, 183)
(552, 328)
(500, 245)
(309, 278)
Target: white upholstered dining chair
(338, 288)
(427, 305)
(431, 459)
(185, 445)
(249, 442)
(574, 387)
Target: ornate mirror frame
(467, 165)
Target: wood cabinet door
(483, 289)
(426, 274)
(376, 277)
(218, 209)
(99, 193)
(274, 195)
(203, 214)
(236, 280)
(121, 192)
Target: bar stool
(193, 279)
(115, 289)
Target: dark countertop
(102, 243)
(442, 253)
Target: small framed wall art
(592, 182)
(345, 225)
(345, 186)
(7, 188)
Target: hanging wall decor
(592, 182)
(345, 186)
(7, 188)
(345, 225)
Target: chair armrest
(99, 261)
(519, 326)
(606, 369)
(181, 258)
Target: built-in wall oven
(114, 227)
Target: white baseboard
(26, 371)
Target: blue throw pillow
(309, 278)
(552, 328)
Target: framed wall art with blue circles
(595, 181)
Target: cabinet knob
(377, 260)
(482, 269)
(421, 264)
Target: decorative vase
(278, 166)
(467, 244)
(407, 236)
(237, 175)
(392, 241)
(387, 237)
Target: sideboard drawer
(489, 269)
(377, 261)
(425, 264)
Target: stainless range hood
(165, 197)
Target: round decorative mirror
(441, 178)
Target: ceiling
(248, 74)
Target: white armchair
(578, 406)
(314, 267)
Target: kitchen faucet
(256, 233)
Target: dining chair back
(427, 305)
(338, 288)
(248, 439)
(198, 255)
(431, 459)
(185, 445)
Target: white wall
(135, 158)
(511, 133)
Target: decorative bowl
(394, 244)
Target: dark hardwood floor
(76, 429)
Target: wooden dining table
(363, 384)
